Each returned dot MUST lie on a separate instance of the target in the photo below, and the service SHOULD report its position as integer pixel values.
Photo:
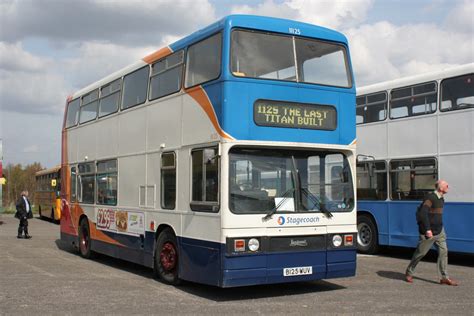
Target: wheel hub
(364, 236)
(168, 256)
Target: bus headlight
(336, 240)
(254, 244)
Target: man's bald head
(442, 186)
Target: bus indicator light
(152, 225)
(239, 245)
(348, 240)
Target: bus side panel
(379, 210)
(403, 229)
(200, 261)
(457, 220)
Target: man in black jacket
(23, 212)
(430, 226)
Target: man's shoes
(448, 282)
(19, 236)
(27, 237)
(408, 278)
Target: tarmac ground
(43, 276)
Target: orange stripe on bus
(97, 234)
(198, 94)
(165, 51)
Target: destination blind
(294, 115)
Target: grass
(11, 209)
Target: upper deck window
(322, 63)
(413, 100)
(110, 98)
(135, 87)
(72, 112)
(166, 75)
(371, 108)
(204, 61)
(89, 107)
(457, 93)
(271, 56)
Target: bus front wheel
(167, 257)
(85, 239)
(367, 239)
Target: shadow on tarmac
(400, 276)
(461, 259)
(258, 291)
(212, 292)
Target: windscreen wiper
(297, 181)
(316, 201)
(274, 210)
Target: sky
(51, 48)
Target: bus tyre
(85, 239)
(367, 238)
(166, 257)
(39, 210)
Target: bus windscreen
(262, 180)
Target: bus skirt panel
(269, 268)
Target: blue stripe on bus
(237, 119)
(262, 23)
(201, 262)
(396, 223)
(268, 267)
(207, 262)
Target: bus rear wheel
(85, 239)
(166, 262)
(367, 238)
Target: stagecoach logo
(298, 243)
(297, 220)
(281, 220)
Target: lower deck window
(372, 180)
(205, 179)
(412, 179)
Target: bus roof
(407, 81)
(48, 171)
(269, 24)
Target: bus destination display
(294, 115)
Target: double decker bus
(226, 158)
(412, 132)
(47, 195)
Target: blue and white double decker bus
(226, 158)
(411, 132)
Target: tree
(17, 180)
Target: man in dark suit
(23, 212)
